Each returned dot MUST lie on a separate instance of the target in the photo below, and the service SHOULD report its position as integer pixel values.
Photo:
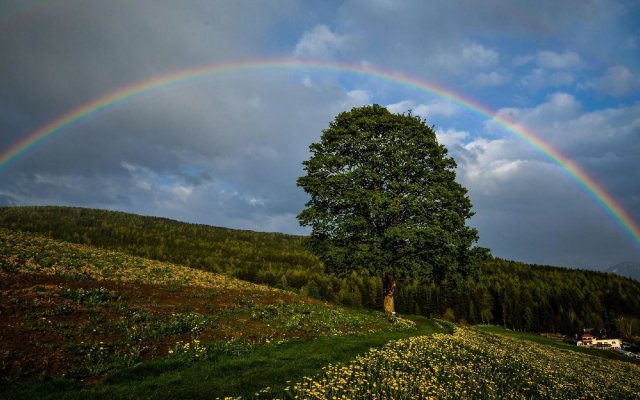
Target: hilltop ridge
(627, 269)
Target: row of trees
(516, 295)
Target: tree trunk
(389, 293)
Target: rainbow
(582, 179)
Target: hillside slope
(79, 312)
(472, 365)
(114, 325)
(512, 294)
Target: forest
(515, 295)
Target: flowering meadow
(471, 365)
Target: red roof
(587, 336)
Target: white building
(587, 340)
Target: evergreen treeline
(512, 294)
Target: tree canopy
(384, 199)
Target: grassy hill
(470, 364)
(512, 294)
(80, 313)
(79, 321)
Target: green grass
(470, 364)
(532, 337)
(82, 313)
(234, 375)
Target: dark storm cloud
(79, 50)
(432, 36)
(8, 200)
(222, 138)
(227, 149)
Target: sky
(226, 148)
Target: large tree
(384, 199)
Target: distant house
(588, 340)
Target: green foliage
(627, 326)
(551, 299)
(143, 327)
(312, 289)
(98, 358)
(139, 365)
(384, 199)
(252, 256)
(94, 297)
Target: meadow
(559, 344)
(470, 364)
(81, 322)
(85, 322)
(514, 295)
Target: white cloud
(461, 58)
(479, 55)
(430, 110)
(550, 69)
(355, 98)
(564, 61)
(383, 4)
(319, 42)
(359, 96)
(493, 78)
(181, 192)
(451, 137)
(518, 191)
(599, 133)
(539, 78)
(562, 121)
(618, 81)
(557, 109)
(523, 60)
(307, 82)
(486, 166)
(547, 59)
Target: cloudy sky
(226, 149)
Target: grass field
(266, 366)
(79, 322)
(470, 364)
(532, 337)
(83, 323)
